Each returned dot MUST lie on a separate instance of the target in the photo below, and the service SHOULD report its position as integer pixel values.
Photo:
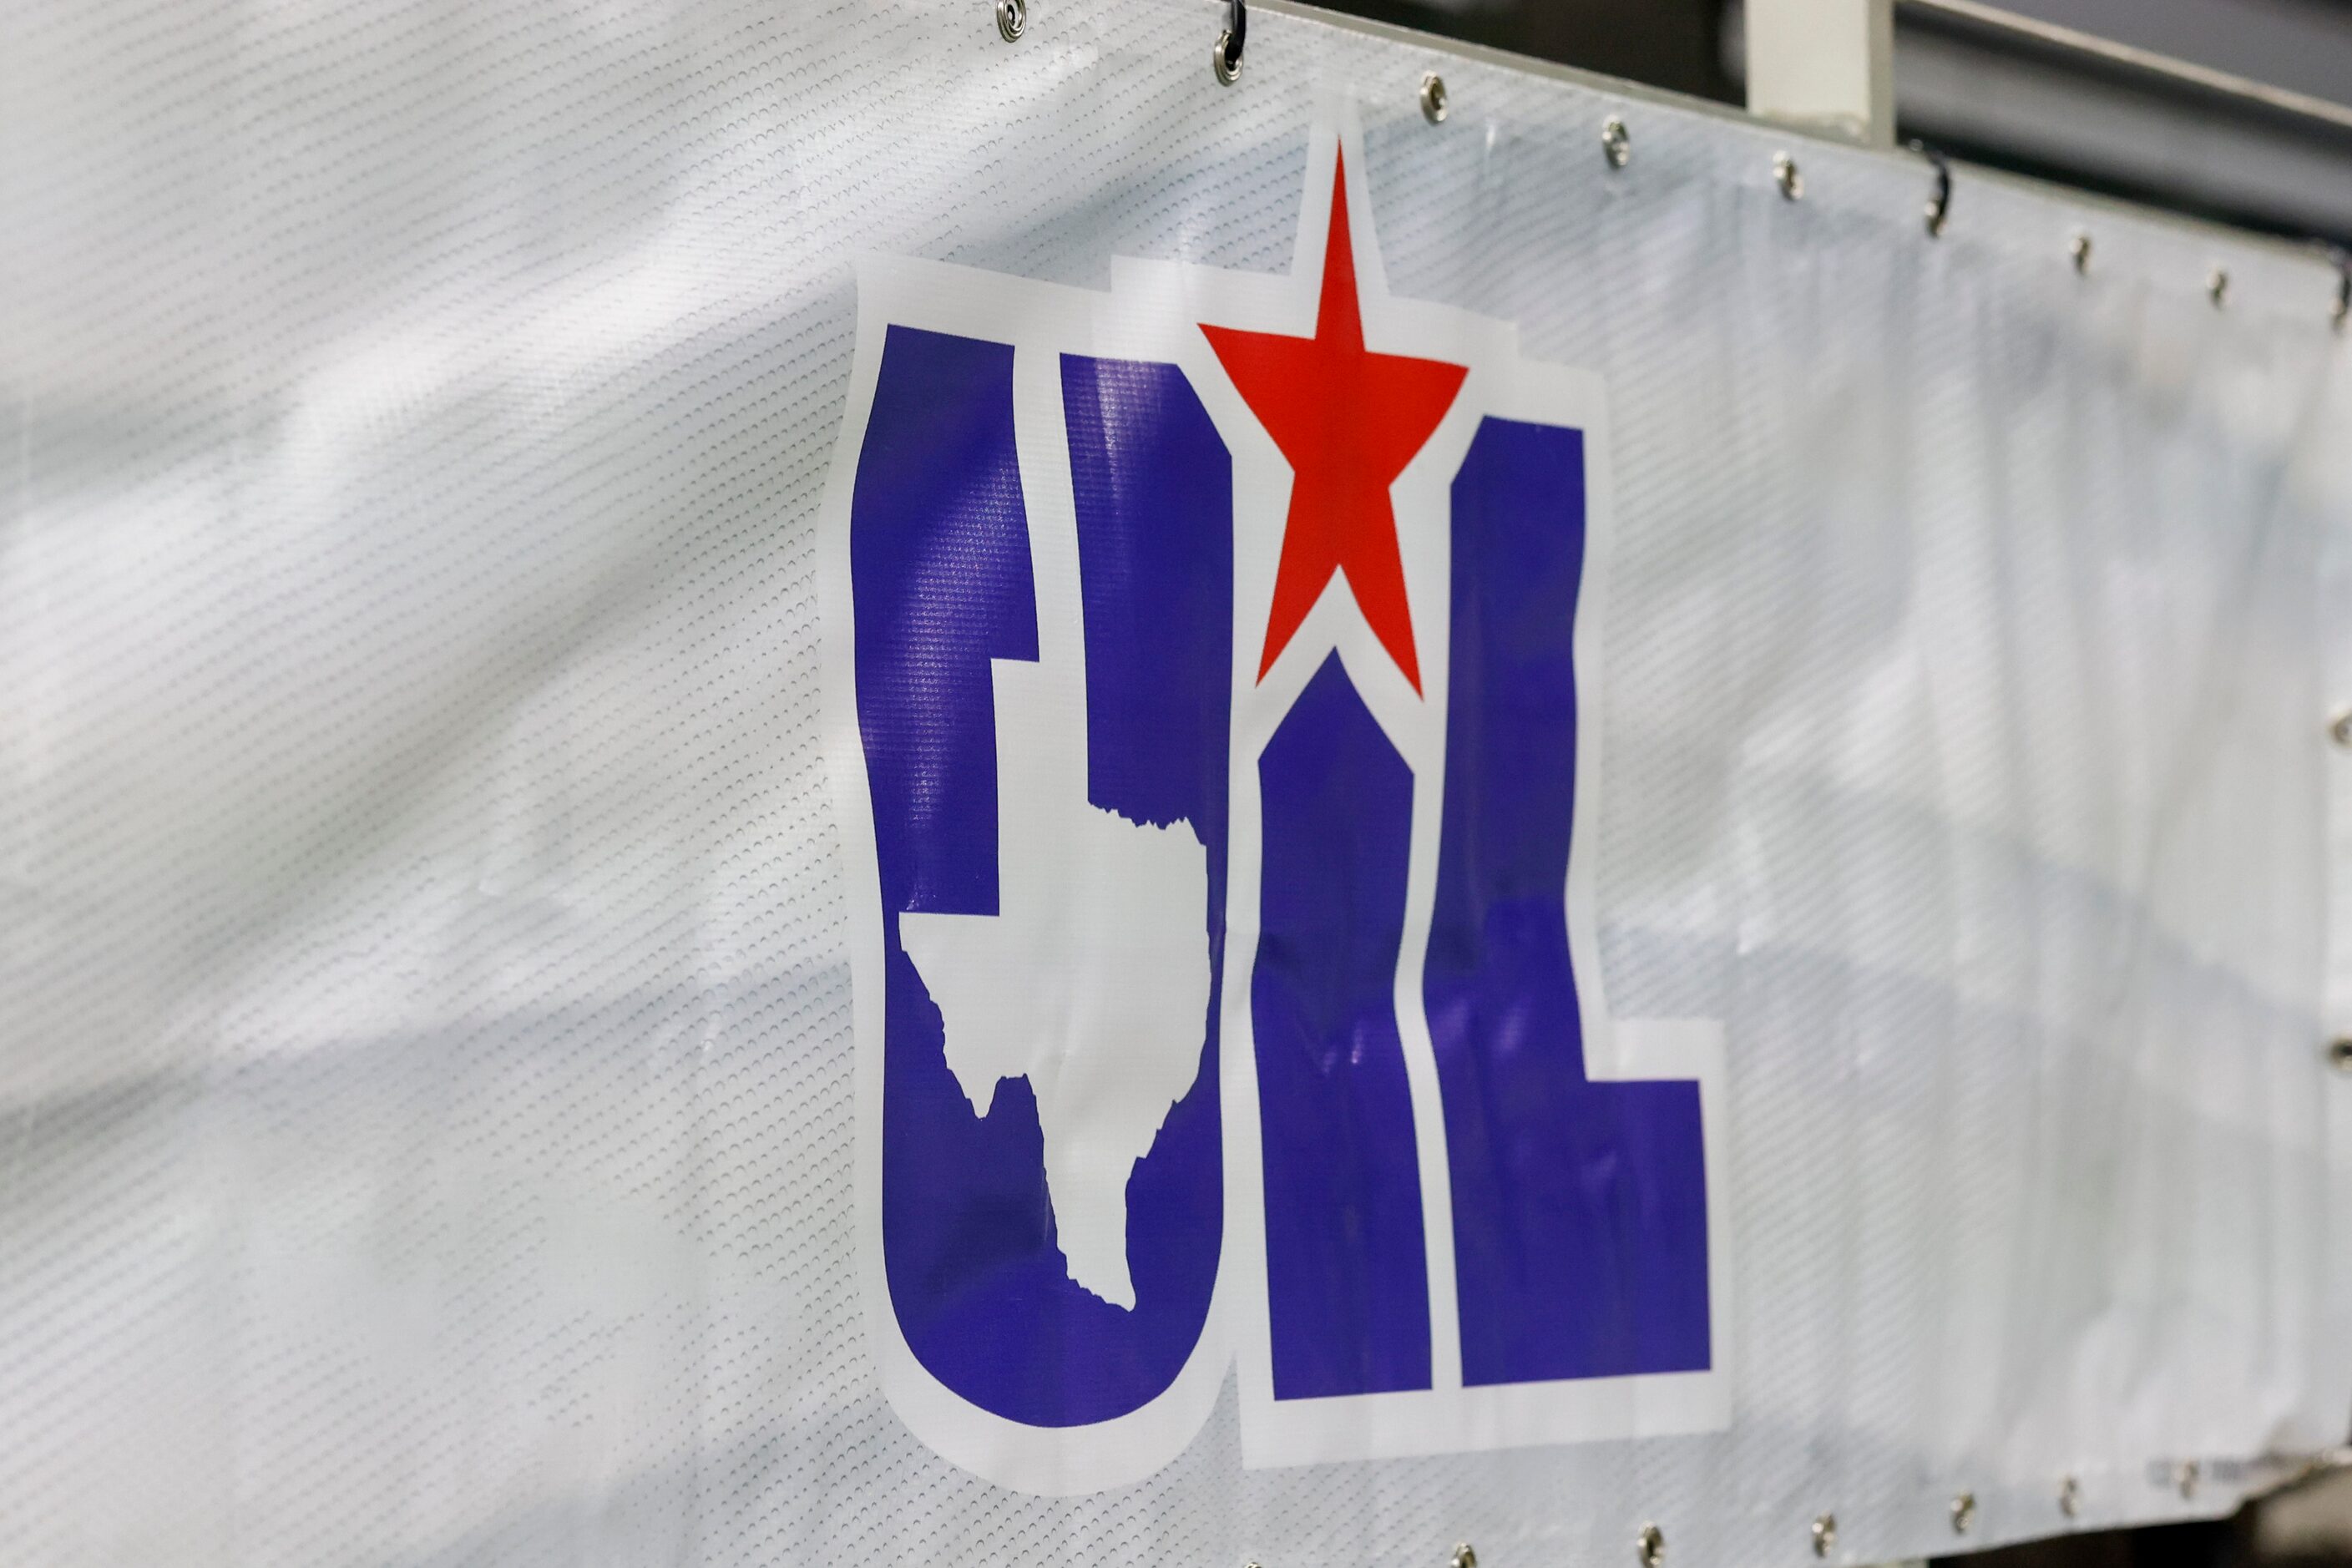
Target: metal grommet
(2079, 247)
(2339, 1053)
(1463, 1556)
(1824, 1534)
(1784, 170)
(1616, 142)
(2217, 287)
(1226, 55)
(1650, 1546)
(1011, 19)
(2185, 1477)
(1964, 1513)
(1433, 99)
(2070, 1497)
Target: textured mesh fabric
(425, 1107)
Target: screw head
(2070, 1497)
(2339, 1053)
(1616, 142)
(1650, 1546)
(1433, 99)
(2217, 287)
(1964, 1513)
(1784, 171)
(1463, 1557)
(1011, 19)
(1224, 59)
(2339, 729)
(1824, 1534)
(2079, 247)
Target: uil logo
(1207, 668)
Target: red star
(1348, 421)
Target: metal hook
(1939, 206)
(1226, 57)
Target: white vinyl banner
(867, 781)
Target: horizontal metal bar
(2056, 122)
(1992, 23)
(1530, 64)
(1684, 103)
